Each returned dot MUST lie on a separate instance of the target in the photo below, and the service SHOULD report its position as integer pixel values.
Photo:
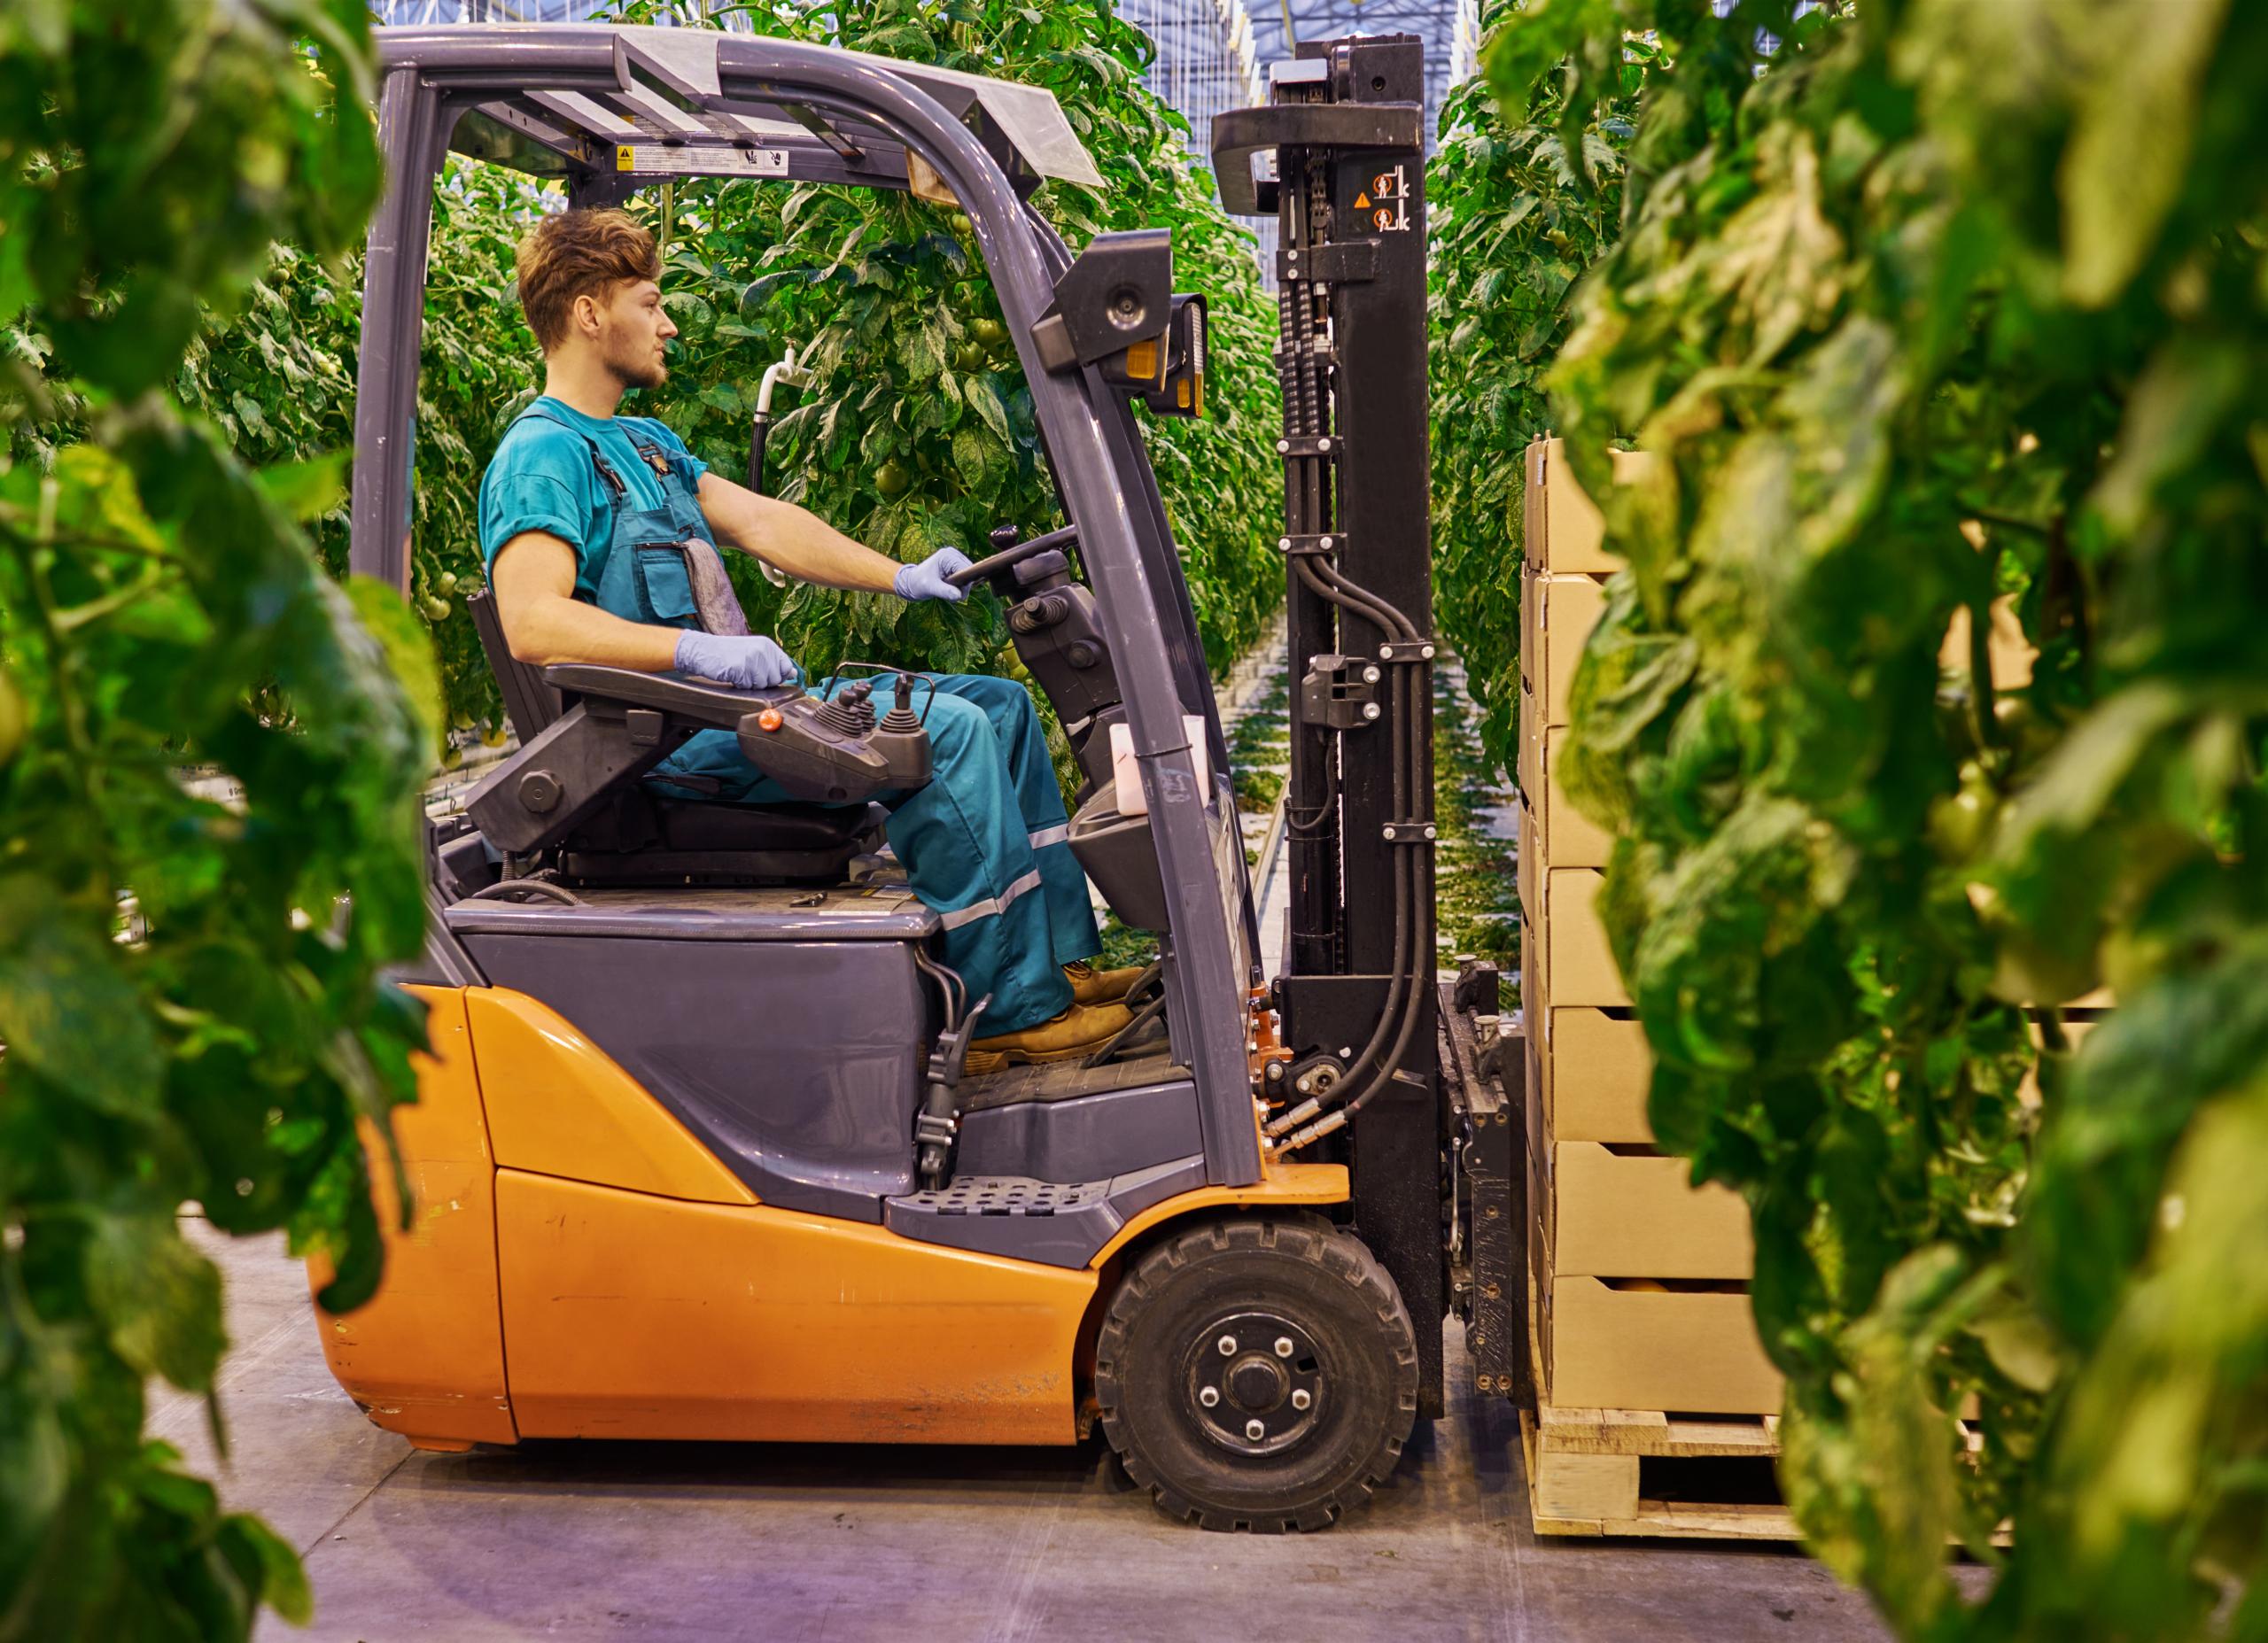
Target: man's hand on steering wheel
(927, 579)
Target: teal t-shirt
(542, 478)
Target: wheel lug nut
(1209, 1395)
(1283, 1346)
(1254, 1431)
(1228, 1345)
(1299, 1397)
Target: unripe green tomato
(970, 356)
(446, 582)
(1961, 822)
(435, 610)
(961, 224)
(991, 333)
(893, 478)
(11, 718)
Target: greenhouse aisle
(789, 1543)
(796, 1542)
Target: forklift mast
(1358, 996)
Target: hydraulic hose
(1319, 1116)
(1396, 1016)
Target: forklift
(695, 1154)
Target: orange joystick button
(769, 719)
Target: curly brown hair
(578, 253)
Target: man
(599, 534)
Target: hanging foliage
(190, 1008)
(1923, 305)
(1514, 226)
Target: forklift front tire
(1257, 1374)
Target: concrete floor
(790, 1542)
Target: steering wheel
(994, 565)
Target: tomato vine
(191, 1007)
(1920, 305)
(1514, 226)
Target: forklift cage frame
(692, 102)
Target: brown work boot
(1090, 986)
(1079, 1031)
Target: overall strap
(606, 470)
(659, 460)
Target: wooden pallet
(1587, 1469)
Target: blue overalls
(983, 844)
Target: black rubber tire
(1316, 1277)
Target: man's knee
(1009, 706)
(956, 728)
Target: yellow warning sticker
(1362, 202)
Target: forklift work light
(1166, 371)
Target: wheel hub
(1254, 1383)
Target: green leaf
(67, 1008)
(282, 1579)
(307, 489)
(983, 391)
(159, 1299)
(409, 647)
(2131, 142)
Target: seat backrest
(530, 703)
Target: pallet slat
(1647, 1431)
(1583, 1470)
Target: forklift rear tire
(1257, 1374)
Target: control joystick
(851, 711)
(901, 718)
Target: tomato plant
(1920, 305)
(1514, 226)
(918, 430)
(190, 1006)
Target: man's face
(632, 328)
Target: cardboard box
(1609, 1346)
(1578, 968)
(1528, 881)
(1634, 1215)
(1594, 1070)
(1557, 614)
(1564, 530)
(1568, 837)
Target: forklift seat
(784, 842)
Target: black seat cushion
(706, 824)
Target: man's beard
(640, 370)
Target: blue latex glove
(926, 580)
(748, 660)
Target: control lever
(938, 1126)
(901, 718)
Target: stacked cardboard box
(1640, 1280)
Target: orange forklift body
(581, 1266)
